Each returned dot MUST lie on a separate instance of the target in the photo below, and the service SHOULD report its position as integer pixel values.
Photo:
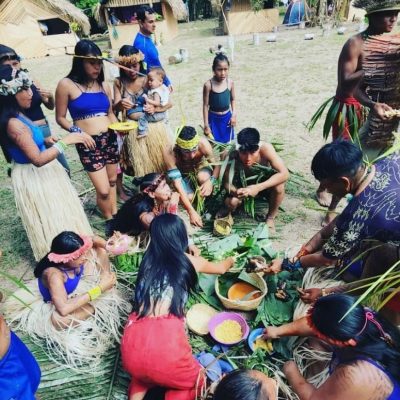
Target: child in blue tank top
(219, 112)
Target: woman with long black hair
(155, 349)
(366, 351)
(88, 99)
(45, 198)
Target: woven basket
(223, 226)
(198, 317)
(247, 305)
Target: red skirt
(156, 352)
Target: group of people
(76, 304)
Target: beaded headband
(64, 258)
(188, 144)
(16, 84)
(153, 186)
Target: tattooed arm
(359, 380)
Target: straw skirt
(84, 342)
(47, 204)
(145, 155)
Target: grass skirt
(80, 346)
(144, 156)
(47, 204)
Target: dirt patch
(279, 85)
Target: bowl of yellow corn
(228, 328)
(256, 341)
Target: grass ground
(278, 85)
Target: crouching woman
(155, 349)
(73, 305)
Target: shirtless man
(351, 92)
(191, 154)
(252, 152)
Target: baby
(158, 95)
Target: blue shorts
(19, 372)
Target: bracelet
(60, 146)
(213, 180)
(74, 129)
(94, 293)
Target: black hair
(142, 11)
(84, 47)
(64, 243)
(5, 50)
(128, 216)
(336, 159)
(328, 318)
(240, 385)
(219, 58)
(248, 139)
(165, 265)
(187, 133)
(9, 108)
(128, 50)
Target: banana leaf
(330, 117)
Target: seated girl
(155, 198)
(166, 277)
(366, 351)
(73, 305)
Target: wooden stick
(108, 60)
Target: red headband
(153, 186)
(64, 258)
(369, 317)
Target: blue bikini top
(89, 105)
(16, 153)
(70, 284)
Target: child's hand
(232, 121)
(207, 131)
(144, 95)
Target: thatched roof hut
(36, 28)
(119, 16)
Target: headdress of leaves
(16, 84)
(373, 6)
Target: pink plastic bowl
(121, 248)
(224, 316)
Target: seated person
(368, 226)
(19, 371)
(73, 304)
(191, 156)
(252, 152)
(245, 384)
(366, 351)
(155, 198)
(155, 349)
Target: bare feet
(329, 217)
(324, 198)
(271, 224)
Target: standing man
(367, 75)
(146, 17)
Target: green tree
(85, 5)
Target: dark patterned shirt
(374, 214)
